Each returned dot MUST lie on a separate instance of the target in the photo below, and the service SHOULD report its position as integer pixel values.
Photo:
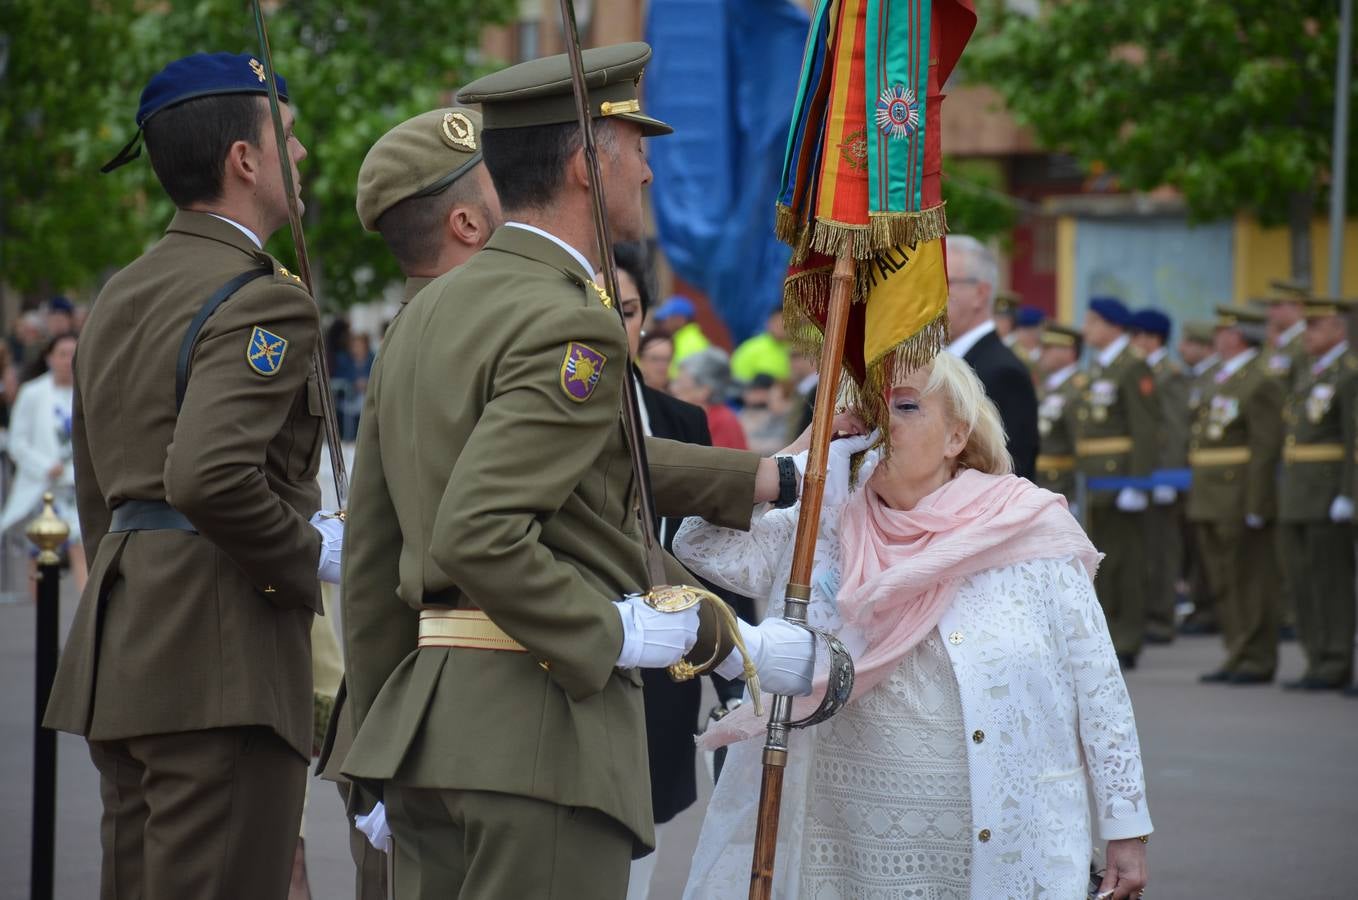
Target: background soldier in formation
(1165, 518)
(1316, 496)
(188, 667)
(1118, 435)
(1234, 452)
(1198, 353)
(1059, 392)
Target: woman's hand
(1126, 873)
(846, 423)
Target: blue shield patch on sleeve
(265, 351)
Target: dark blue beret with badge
(199, 75)
(1151, 321)
(1111, 310)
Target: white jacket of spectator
(36, 444)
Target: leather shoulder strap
(181, 368)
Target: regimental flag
(862, 175)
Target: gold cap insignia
(618, 107)
(459, 132)
(258, 69)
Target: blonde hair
(967, 401)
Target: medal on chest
(1102, 395)
(1222, 412)
(1318, 402)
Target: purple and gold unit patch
(580, 371)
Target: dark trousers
(1121, 580)
(1164, 564)
(1199, 585)
(211, 815)
(478, 845)
(1320, 563)
(370, 864)
(1242, 566)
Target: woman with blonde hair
(988, 706)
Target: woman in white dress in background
(989, 707)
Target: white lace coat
(1047, 720)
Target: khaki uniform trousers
(1199, 585)
(211, 815)
(1121, 579)
(479, 845)
(1164, 566)
(1320, 563)
(1242, 567)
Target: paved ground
(1253, 791)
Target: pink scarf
(902, 569)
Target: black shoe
(1351, 691)
(1287, 633)
(1298, 684)
(1191, 628)
(1312, 683)
(1220, 676)
(1127, 661)
(1250, 678)
(1155, 637)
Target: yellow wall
(1262, 254)
(1065, 269)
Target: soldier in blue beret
(1118, 436)
(196, 437)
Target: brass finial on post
(48, 532)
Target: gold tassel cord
(883, 231)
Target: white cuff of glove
(331, 529)
(1163, 495)
(374, 827)
(1341, 510)
(1254, 522)
(1132, 500)
(652, 639)
(837, 465)
(784, 657)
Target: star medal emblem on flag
(580, 371)
(265, 351)
(897, 111)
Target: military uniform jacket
(1322, 430)
(1056, 427)
(491, 468)
(1118, 422)
(1235, 445)
(1172, 386)
(1287, 363)
(180, 631)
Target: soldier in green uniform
(1315, 502)
(1195, 349)
(1058, 396)
(188, 667)
(493, 660)
(1234, 449)
(1165, 519)
(1118, 435)
(424, 189)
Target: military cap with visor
(1056, 335)
(1323, 307)
(421, 157)
(1251, 323)
(193, 77)
(541, 92)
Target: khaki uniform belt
(1219, 456)
(1314, 453)
(1103, 446)
(469, 628)
(1055, 463)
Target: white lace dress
(963, 774)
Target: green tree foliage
(69, 93)
(977, 203)
(1230, 102)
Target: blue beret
(1111, 310)
(1029, 317)
(1151, 321)
(675, 306)
(60, 304)
(199, 75)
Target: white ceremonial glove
(652, 639)
(1164, 495)
(1131, 500)
(837, 465)
(1254, 522)
(331, 529)
(374, 827)
(784, 657)
(1341, 510)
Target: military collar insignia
(458, 132)
(265, 351)
(581, 370)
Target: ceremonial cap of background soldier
(1323, 307)
(1151, 321)
(1111, 310)
(1199, 331)
(1288, 290)
(540, 92)
(1057, 335)
(421, 157)
(1007, 302)
(1251, 323)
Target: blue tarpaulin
(724, 75)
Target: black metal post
(48, 532)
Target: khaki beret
(420, 157)
(541, 92)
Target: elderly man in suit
(972, 276)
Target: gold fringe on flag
(883, 231)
